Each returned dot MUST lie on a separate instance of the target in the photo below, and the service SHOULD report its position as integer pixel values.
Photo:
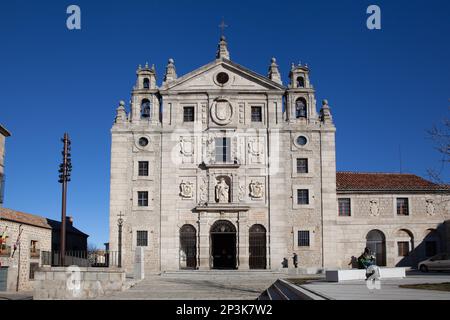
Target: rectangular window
(302, 196)
(403, 248)
(33, 267)
(302, 165)
(256, 114)
(142, 238)
(34, 251)
(402, 207)
(344, 207)
(303, 238)
(430, 248)
(188, 114)
(143, 198)
(143, 168)
(223, 150)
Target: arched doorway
(188, 247)
(223, 245)
(376, 242)
(257, 247)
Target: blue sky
(385, 87)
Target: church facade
(224, 168)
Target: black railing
(81, 258)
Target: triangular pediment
(239, 78)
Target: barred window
(33, 268)
(143, 168)
(403, 248)
(302, 196)
(302, 165)
(143, 198)
(303, 238)
(344, 207)
(256, 114)
(402, 207)
(223, 150)
(188, 114)
(142, 238)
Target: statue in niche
(430, 207)
(374, 210)
(186, 189)
(222, 191)
(256, 189)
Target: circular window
(301, 140)
(222, 77)
(143, 142)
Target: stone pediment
(222, 74)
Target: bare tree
(92, 247)
(440, 135)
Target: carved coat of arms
(256, 189)
(186, 189)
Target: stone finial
(121, 114)
(325, 113)
(222, 50)
(170, 71)
(274, 73)
(146, 65)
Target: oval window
(143, 142)
(301, 140)
(222, 77)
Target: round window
(222, 77)
(143, 142)
(301, 140)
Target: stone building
(225, 168)
(21, 253)
(3, 135)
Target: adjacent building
(24, 237)
(3, 135)
(224, 168)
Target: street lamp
(65, 168)
(120, 224)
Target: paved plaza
(390, 290)
(201, 286)
(248, 286)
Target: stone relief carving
(221, 111)
(430, 207)
(241, 192)
(374, 209)
(222, 191)
(203, 191)
(255, 150)
(187, 190)
(256, 189)
(186, 146)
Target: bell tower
(301, 104)
(145, 100)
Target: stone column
(203, 242)
(243, 241)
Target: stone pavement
(357, 289)
(23, 295)
(212, 285)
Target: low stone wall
(77, 283)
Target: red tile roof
(355, 181)
(25, 218)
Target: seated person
(366, 259)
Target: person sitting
(366, 259)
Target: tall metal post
(65, 169)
